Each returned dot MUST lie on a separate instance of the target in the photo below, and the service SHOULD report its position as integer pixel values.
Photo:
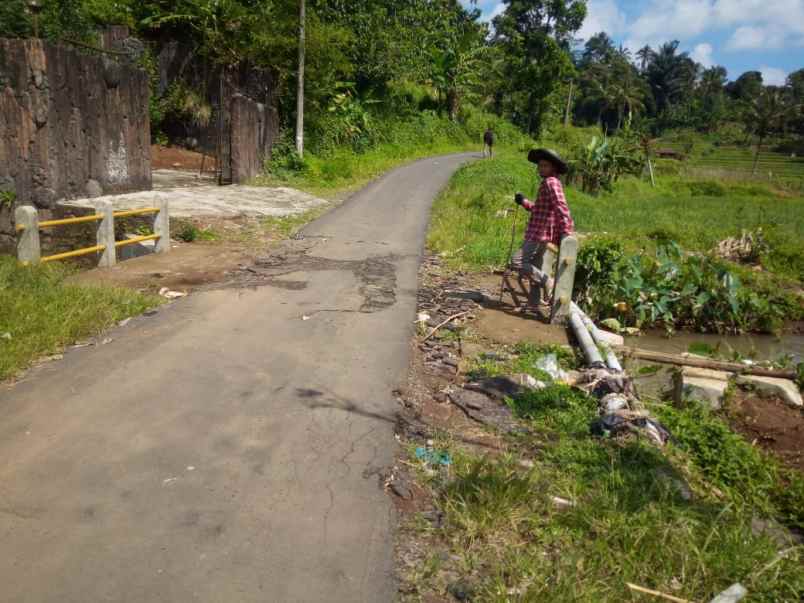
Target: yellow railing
(28, 227)
(72, 254)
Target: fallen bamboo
(718, 365)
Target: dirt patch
(169, 158)
(188, 266)
(503, 325)
(772, 425)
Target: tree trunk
(453, 103)
(756, 157)
(650, 170)
(569, 104)
(300, 90)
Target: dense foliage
(525, 66)
(673, 290)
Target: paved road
(227, 449)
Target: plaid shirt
(549, 216)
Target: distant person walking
(488, 142)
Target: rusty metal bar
(125, 213)
(132, 240)
(73, 254)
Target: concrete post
(28, 250)
(108, 256)
(162, 228)
(564, 279)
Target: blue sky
(741, 35)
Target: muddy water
(757, 347)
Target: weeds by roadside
(544, 511)
(41, 313)
(580, 517)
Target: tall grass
(469, 226)
(677, 520)
(41, 313)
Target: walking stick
(510, 251)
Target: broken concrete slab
(704, 385)
(772, 386)
(215, 201)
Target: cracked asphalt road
(227, 449)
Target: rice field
(740, 162)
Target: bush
(672, 291)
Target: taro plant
(671, 290)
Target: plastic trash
(549, 364)
(732, 594)
(613, 402)
(433, 456)
(608, 425)
(613, 424)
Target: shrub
(672, 291)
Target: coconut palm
(764, 115)
(645, 56)
(671, 75)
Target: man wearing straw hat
(550, 219)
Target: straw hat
(536, 155)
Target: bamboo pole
(718, 365)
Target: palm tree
(671, 75)
(602, 91)
(645, 56)
(765, 114)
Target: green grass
(631, 522)
(468, 227)
(41, 313)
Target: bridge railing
(28, 226)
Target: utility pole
(300, 90)
(569, 104)
(35, 7)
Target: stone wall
(254, 128)
(71, 125)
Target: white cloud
(702, 53)
(757, 38)
(602, 15)
(771, 76)
(663, 20)
(748, 24)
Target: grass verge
(42, 314)
(681, 520)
